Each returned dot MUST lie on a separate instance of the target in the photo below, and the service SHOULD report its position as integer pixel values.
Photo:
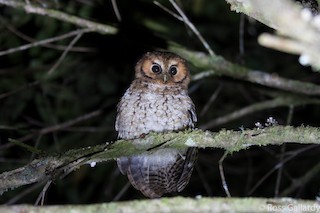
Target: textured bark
(179, 204)
(51, 167)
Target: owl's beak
(165, 78)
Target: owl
(157, 101)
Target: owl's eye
(156, 68)
(173, 70)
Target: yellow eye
(156, 68)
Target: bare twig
(62, 126)
(210, 101)
(29, 8)
(185, 19)
(280, 170)
(277, 102)
(283, 150)
(299, 182)
(168, 10)
(7, 94)
(45, 41)
(115, 9)
(24, 193)
(192, 27)
(122, 191)
(204, 180)
(71, 122)
(276, 167)
(65, 52)
(241, 35)
(223, 178)
(42, 195)
(47, 45)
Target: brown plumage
(157, 101)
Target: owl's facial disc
(163, 69)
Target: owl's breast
(142, 111)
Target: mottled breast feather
(152, 107)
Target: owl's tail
(159, 172)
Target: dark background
(96, 79)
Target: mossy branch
(179, 204)
(217, 65)
(51, 167)
(30, 8)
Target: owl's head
(163, 68)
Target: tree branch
(217, 65)
(179, 204)
(29, 8)
(51, 167)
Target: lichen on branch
(53, 166)
(179, 204)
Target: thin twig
(24, 87)
(241, 35)
(280, 170)
(223, 178)
(45, 41)
(204, 180)
(47, 45)
(24, 193)
(122, 191)
(33, 154)
(299, 182)
(65, 52)
(62, 126)
(43, 193)
(29, 8)
(283, 150)
(168, 10)
(276, 167)
(116, 9)
(277, 102)
(190, 25)
(210, 101)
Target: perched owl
(157, 101)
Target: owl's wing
(189, 161)
(118, 118)
(123, 164)
(164, 171)
(144, 174)
(192, 115)
(190, 157)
